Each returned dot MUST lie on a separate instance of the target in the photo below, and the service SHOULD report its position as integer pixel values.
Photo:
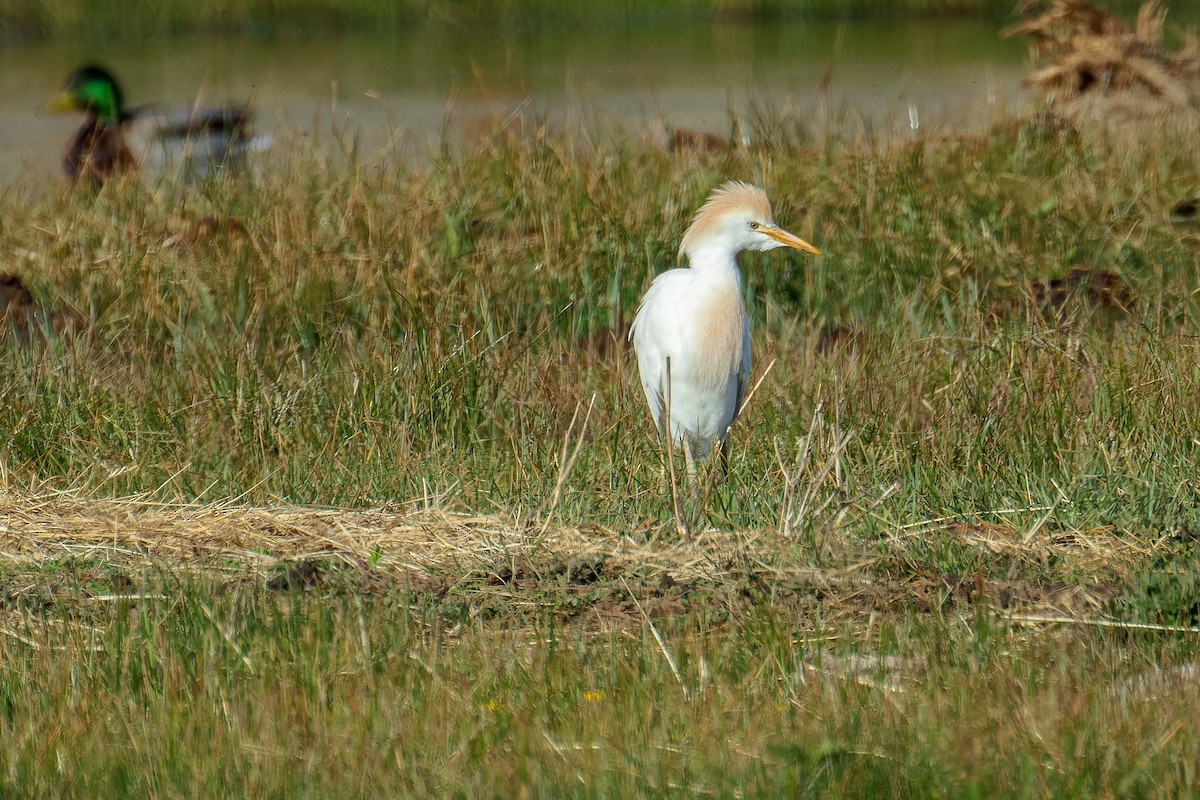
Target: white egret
(691, 332)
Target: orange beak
(790, 239)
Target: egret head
(737, 217)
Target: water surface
(397, 92)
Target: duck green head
(93, 90)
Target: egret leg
(693, 489)
(689, 456)
(681, 525)
(703, 495)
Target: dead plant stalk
(568, 459)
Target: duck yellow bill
(791, 240)
(61, 103)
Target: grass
(358, 561)
(354, 695)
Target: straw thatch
(1085, 51)
(37, 528)
(459, 547)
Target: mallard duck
(114, 138)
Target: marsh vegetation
(304, 500)
(26, 19)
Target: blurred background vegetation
(22, 20)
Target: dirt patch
(1082, 288)
(26, 320)
(207, 229)
(696, 142)
(603, 345)
(838, 339)
(1084, 293)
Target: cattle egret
(691, 332)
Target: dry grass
(471, 551)
(1095, 67)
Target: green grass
(383, 333)
(220, 690)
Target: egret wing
(655, 335)
(743, 374)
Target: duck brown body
(96, 152)
(114, 139)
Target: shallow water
(397, 93)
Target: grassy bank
(436, 330)
(978, 409)
(74, 18)
(232, 693)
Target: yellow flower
(593, 696)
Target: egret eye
(754, 226)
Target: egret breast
(721, 327)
